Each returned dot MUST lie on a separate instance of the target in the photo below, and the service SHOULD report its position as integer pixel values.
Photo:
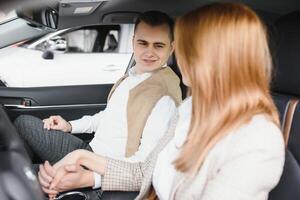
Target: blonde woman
(227, 143)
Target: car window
(97, 54)
(89, 39)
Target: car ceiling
(271, 9)
(176, 7)
(119, 12)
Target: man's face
(151, 46)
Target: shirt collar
(132, 71)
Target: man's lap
(49, 145)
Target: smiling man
(138, 111)
(152, 46)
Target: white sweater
(245, 165)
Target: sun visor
(120, 17)
(78, 7)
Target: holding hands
(67, 174)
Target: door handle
(8, 101)
(111, 68)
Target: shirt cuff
(97, 180)
(75, 126)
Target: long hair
(223, 54)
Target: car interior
(286, 95)
(72, 102)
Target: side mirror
(39, 16)
(48, 55)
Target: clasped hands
(67, 174)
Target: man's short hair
(156, 18)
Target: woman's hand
(64, 178)
(70, 159)
(71, 177)
(68, 174)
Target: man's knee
(25, 121)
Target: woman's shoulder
(260, 132)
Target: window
(85, 55)
(89, 39)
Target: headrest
(112, 42)
(287, 55)
(173, 64)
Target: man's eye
(141, 43)
(159, 46)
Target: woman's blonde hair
(223, 54)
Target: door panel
(71, 102)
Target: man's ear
(133, 42)
(172, 47)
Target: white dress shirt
(110, 125)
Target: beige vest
(142, 99)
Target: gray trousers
(46, 145)
(54, 145)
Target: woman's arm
(116, 174)
(92, 161)
(112, 171)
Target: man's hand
(45, 177)
(50, 178)
(63, 179)
(48, 172)
(57, 123)
(72, 177)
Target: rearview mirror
(39, 16)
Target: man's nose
(150, 51)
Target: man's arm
(87, 124)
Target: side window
(91, 39)
(96, 54)
(80, 41)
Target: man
(138, 111)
